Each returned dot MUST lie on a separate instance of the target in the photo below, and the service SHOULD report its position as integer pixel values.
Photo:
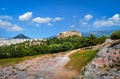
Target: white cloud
(6, 17)
(42, 20)
(72, 26)
(101, 23)
(46, 20)
(115, 18)
(113, 21)
(49, 24)
(9, 26)
(25, 16)
(57, 19)
(84, 23)
(14, 28)
(85, 20)
(88, 17)
(4, 24)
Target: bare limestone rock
(69, 34)
(106, 64)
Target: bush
(67, 46)
(52, 45)
(115, 35)
(54, 48)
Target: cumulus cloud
(46, 20)
(88, 17)
(14, 28)
(57, 19)
(4, 24)
(6, 17)
(85, 20)
(42, 20)
(115, 18)
(101, 23)
(9, 26)
(25, 16)
(113, 21)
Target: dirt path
(73, 51)
(46, 67)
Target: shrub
(51, 45)
(115, 35)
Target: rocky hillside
(69, 34)
(106, 64)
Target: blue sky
(46, 18)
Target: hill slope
(21, 36)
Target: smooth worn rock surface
(106, 64)
(44, 67)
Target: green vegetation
(51, 45)
(115, 35)
(80, 59)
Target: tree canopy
(115, 35)
(51, 45)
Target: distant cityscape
(22, 38)
(5, 41)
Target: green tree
(67, 46)
(54, 48)
(115, 35)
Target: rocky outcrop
(109, 42)
(69, 34)
(36, 68)
(106, 64)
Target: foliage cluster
(51, 45)
(115, 35)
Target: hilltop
(69, 34)
(22, 36)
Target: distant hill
(99, 33)
(21, 36)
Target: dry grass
(80, 59)
(12, 61)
